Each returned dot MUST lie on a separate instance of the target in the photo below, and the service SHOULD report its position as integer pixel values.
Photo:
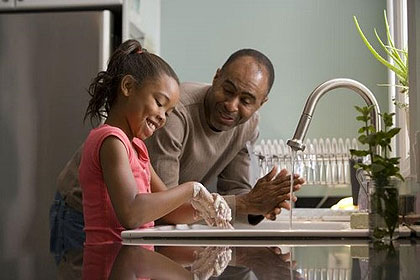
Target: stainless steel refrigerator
(47, 60)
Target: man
(206, 137)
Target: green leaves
(391, 133)
(398, 56)
(369, 128)
(362, 139)
(362, 118)
(375, 167)
(361, 109)
(359, 153)
(381, 167)
(387, 119)
(366, 110)
(373, 51)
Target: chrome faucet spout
(296, 143)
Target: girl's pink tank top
(101, 223)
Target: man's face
(238, 91)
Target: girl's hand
(211, 207)
(223, 212)
(211, 262)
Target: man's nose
(232, 104)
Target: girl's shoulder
(105, 130)
(99, 134)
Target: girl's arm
(134, 209)
(134, 262)
(184, 214)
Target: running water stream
(291, 263)
(293, 155)
(292, 160)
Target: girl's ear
(127, 85)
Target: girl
(120, 188)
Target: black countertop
(224, 259)
(25, 254)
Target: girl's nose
(161, 119)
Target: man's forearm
(240, 211)
(241, 205)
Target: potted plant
(383, 173)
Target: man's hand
(269, 194)
(267, 263)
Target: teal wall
(308, 42)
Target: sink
(307, 223)
(297, 225)
(307, 229)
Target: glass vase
(383, 212)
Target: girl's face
(149, 105)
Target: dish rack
(323, 162)
(326, 273)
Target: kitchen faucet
(297, 142)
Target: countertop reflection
(117, 261)
(242, 259)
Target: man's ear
(264, 100)
(127, 84)
(217, 75)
